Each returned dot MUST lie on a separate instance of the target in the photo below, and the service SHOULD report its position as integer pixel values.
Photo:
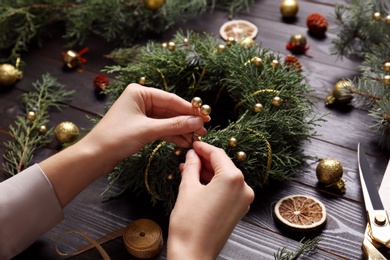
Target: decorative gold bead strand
(156, 196)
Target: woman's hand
(205, 215)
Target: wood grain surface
(257, 236)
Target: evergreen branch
(27, 134)
(309, 245)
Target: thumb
(179, 125)
(191, 169)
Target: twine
(155, 195)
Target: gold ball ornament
(221, 47)
(170, 177)
(289, 8)
(387, 19)
(196, 102)
(275, 64)
(276, 101)
(66, 132)
(164, 45)
(9, 74)
(153, 4)
(386, 66)
(143, 238)
(377, 16)
(233, 142)
(257, 61)
(42, 129)
(178, 151)
(31, 115)
(231, 41)
(186, 42)
(341, 93)
(241, 156)
(142, 81)
(386, 80)
(257, 108)
(171, 46)
(297, 43)
(205, 110)
(248, 42)
(72, 59)
(329, 172)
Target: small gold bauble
(233, 142)
(257, 107)
(377, 16)
(164, 45)
(257, 61)
(171, 46)
(31, 115)
(386, 80)
(241, 156)
(248, 42)
(298, 42)
(231, 40)
(72, 59)
(275, 64)
(341, 93)
(329, 172)
(42, 129)
(66, 132)
(9, 74)
(221, 47)
(388, 19)
(142, 80)
(276, 101)
(196, 102)
(178, 151)
(170, 177)
(386, 66)
(289, 8)
(205, 110)
(153, 4)
(186, 42)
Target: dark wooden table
(257, 236)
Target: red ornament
(100, 82)
(317, 24)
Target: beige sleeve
(28, 209)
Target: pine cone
(292, 60)
(100, 82)
(317, 24)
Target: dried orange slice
(300, 212)
(238, 29)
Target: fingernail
(194, 123)
(190, 153)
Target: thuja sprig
(29, 131)
(306, 247)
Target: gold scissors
(377, 232)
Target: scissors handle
(369, 247)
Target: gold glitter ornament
(257, 61)
(72, 59)
(386, 66)
(241, 156)
(66, 132)
(386, 80)
(275, 64)
(233, 142)
(171, 46)
(196, 102)
(276, 101)
(257, 107)
(341, 93)
(297, 43)
(205, 110)
(289, 8)
(142, 81)
(329, 172)
(42, 129)
(31, 115)
(153, 4)
(9, 74)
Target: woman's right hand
(205, 215)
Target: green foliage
(231, 84)
(27, 137)
(121, 22)
(362, 35)
(306, 247)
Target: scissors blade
(370, 191)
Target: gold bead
(164, 45)
(72, 59)
(386, 66)
(257, 107)
(329, 171)
(171, 46)
(170, 177)
(386, 80)
(153, 4)
(196, 102)
(142, 80)
(205, 110)
(9, 74)
(388, 19)
(248, 42)
(377, 16)
(178, 151)
(31, 115)
(341, 93)
(275, 64)
(289, 8)
(231, 40)
(66, 132)
(241, 156)
(221, 47)
(276, 101)
(186, 42)
(257, 61)
(233, 142)
(42, 129)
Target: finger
(216, 157)
(205, 175)
(191, 168)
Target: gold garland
(155, 195)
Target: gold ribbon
(155, 195)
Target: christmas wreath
(261, 110)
